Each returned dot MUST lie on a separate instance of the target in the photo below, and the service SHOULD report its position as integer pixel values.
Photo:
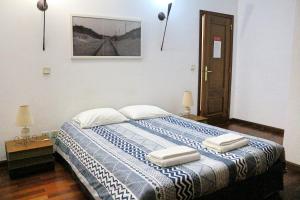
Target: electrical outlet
(54, 134)
(51, 134)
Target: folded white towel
(172, 152)
(226, 139)
(226, 148)
(175, 160)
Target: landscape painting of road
(105, 37)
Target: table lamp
(187, 102)
(24, 120)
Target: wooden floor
(59, 184)
(55, 185)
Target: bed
(110, 162)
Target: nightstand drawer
(21, 172)
(34, 156)
(30, 153)
(16, 164)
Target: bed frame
(259, 187)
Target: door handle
(206, 73)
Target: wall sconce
(43, 6)
(162, 17)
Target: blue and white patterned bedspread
(111, 160)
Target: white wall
(264, 61)
(75, 85)
(267, 83)
(292, 134)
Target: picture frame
(96, 37)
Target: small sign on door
(217, 47)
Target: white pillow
(100, 116)
(143, 112)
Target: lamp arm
(43, 6)
(44, 30)
(169, 10)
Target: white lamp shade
(187, 100)
(24, 118)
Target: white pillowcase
(98, 117)
(143, 112)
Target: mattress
(111, 160)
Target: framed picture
(106, 37)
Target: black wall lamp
(43, 6)
(162, 17)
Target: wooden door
(216, 38)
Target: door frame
(203, 12)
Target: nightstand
(197, 118)
(30, 158)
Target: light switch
(46, 71)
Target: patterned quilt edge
(78, 174)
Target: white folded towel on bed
(174, 160)
(226, 148)
(226, 139)
(172, 152)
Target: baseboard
(3, 163)
(259, 126)
(293, 165)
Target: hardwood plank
(44, 197)
(29, 193)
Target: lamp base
(187, 111)
(25, 135)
